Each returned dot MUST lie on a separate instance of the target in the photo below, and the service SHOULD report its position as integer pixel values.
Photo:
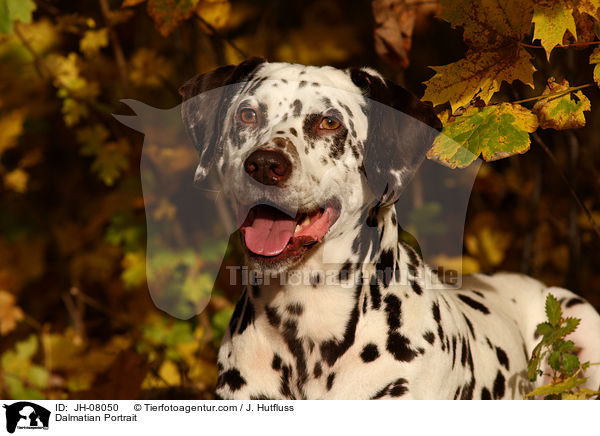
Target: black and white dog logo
(26, 415)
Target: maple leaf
(551, 22)
(10, 313)
(168, 14)
(595, 60)
(590, 7)
(15, 10)
(489, 24)
(494, 132)
(563, 111)
(481, 73)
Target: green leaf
(570, 363)
(553, 311)
(544, 328)
(558, 388)
(494, 132)
(15, 10)
(554, 360)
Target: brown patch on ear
(206, 98)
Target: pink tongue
(270, 231)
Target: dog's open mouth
(271, 233)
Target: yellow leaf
(551, 22)
(590, 7)
(486, 242)
(214, 12)
(561, 112)
(489, 24)
(16, 180)
(93, 41)
(594, 60)
(149, 69)
(461, 264)
(10, 313)
(481, 73)
(170, 373)
(168, 14)
(11, 127)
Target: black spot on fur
(381, 393)
(276, 364)
(393, 307)
(290, 336)
(375, 293)
(467, 390)
(369, 353)
(385, 265)
(315, 279)
(231, 378)
(499, 386)
(293, 131)
(453, 350)
(273, 316)
(429, 337)
(297, 105)
(302, 84)
(478, 293)
(574, 301)
(331, 350)
(435, 310)
(259, 397)
(248, 317)
(502, 358)
(470, 325)
(295, 309)
(345, 271)
(399, 347)
(463, 353)
(474, 304)
(416, 287)
(399, 388)
(485, 394)
(237, 312)
(330, 379)
(318, 370)
(255, 291)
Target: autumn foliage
(514, 82)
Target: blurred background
(76, 317)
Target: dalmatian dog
(314, 162)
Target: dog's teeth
(306, 221)
(297, 228)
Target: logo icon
(26, 415)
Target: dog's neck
(332, 282)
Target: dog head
(302, 150)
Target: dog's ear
(401, 131)
(206, 98)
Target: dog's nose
(268, 167)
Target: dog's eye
(247, 116)
(329, 123)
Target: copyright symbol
(137, 407)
